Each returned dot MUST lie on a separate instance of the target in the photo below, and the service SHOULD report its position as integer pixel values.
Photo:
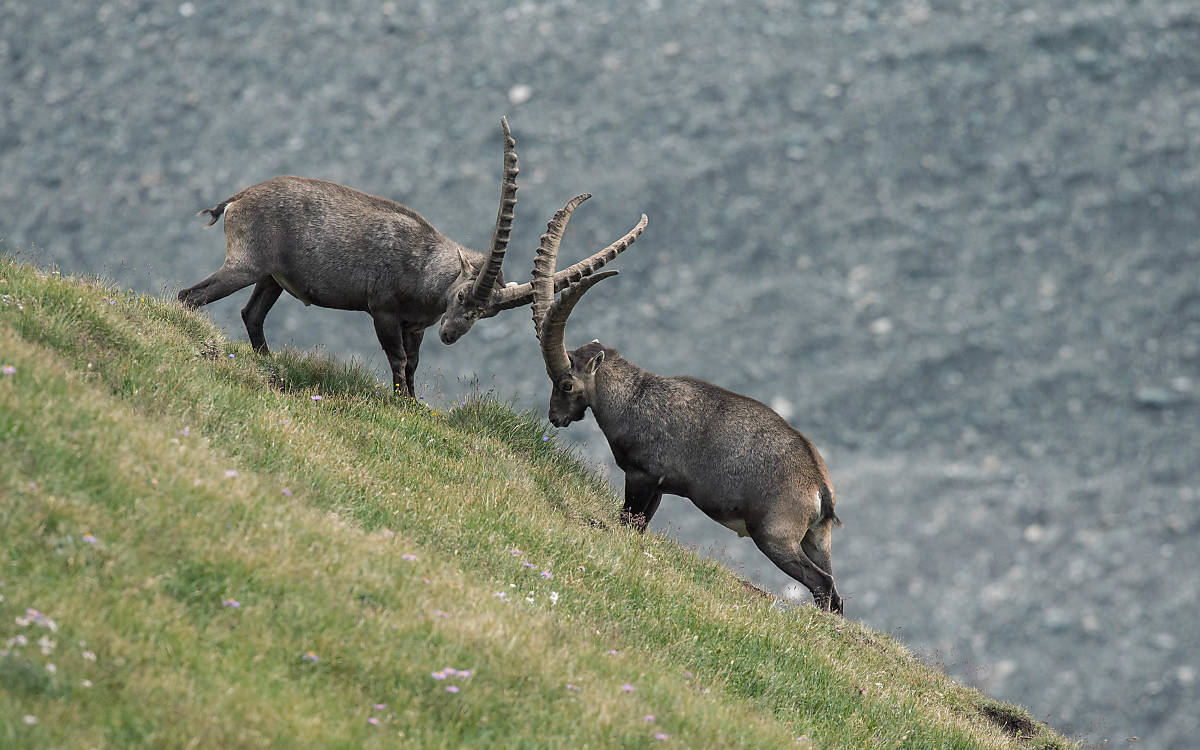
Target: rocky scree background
(955, 243)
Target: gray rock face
(959, 242)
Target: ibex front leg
(642, 497)
(412, 336)
(390, 332)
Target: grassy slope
(124, 420)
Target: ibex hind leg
(266, 293)
(816, 545)
(221, 284)
(782, 547)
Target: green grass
(142, 490)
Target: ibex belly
(291, 289)
(738, 525)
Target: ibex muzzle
(732, 456)
(332, 246)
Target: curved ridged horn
(522, 294)
(485, 280)
(547, 255)
(554, 351)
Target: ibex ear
(467, 269)
(593, 364)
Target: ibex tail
(827, 506)
(216, 211)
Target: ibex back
(732, 456)
(332, 246)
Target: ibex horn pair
(524, 294)
(550, 315)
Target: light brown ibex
(332, 246)
(732, 456)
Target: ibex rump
(735, 458)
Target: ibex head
(574, 389)
(474, 294)
(573, 374)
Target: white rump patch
(511, 284)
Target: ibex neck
(619, 383)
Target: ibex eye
(566, 386)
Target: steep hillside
(203, 547)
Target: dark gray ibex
(734, 457)
(332, 246)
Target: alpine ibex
(734, 457)
(331, 246)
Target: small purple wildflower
(515, 552)
(184, 432)
(8, 369)
(649, 718)
(452, 688)
(407, 556)
(286, 491)
(464, 673)
(379, 706)
(441, 613)
(572, 687)
(231, 603)
(527, 564)
(231, 355)
(231, 473)
(311, 657)
(89, 538)
(438, 675)
(547, 574)
(373, 721)
(317, 397)
(627, 688)
(611, 652)
(661, 736)
(545, 438)
(38, 618)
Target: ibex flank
(734, 457)
(332, 246)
